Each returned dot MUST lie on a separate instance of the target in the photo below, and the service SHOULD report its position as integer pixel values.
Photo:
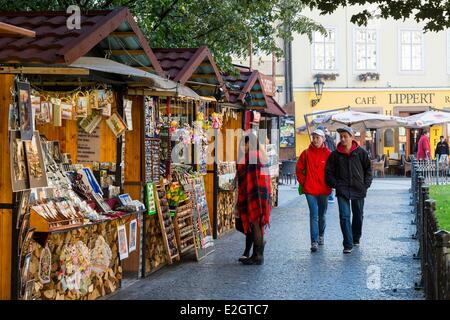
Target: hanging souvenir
(25, 111)
(45, 265)
(173, 126)
(101, 256)
(57, 112)
(81, 102)
(46, 112)
(128, 115)
(116, 124)
(66, 109)
(93, 99)
(216, 120)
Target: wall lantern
(318, 88)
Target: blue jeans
(351, 230)
(317, 210)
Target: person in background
(442, 150)
(311, 175)
(253, 205)
(423, 146)
(349, 171)
(331, 145)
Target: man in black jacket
(349, 171)
(441, 148)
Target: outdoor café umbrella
(358, 120)
(427, 118)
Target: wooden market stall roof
(194, 67)
(110, 33)
(248, 82)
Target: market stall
(69, 231)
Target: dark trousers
(351, 227)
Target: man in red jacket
(423, 148)
(311, 175)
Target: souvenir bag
(300, 187)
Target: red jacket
(316, 160)
(423, 148)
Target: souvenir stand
(196, 69)
(74, 233)
(270, 121)
(247, 93)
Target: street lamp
(318, 88)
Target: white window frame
(399, 38)
(336, 65)
(377, 44)
(448, 51)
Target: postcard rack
(184, 226)
(43, 225)
(166, 223)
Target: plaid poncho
(253, 194)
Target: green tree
(227, 27)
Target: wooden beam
(203, 76)
(44, 70)
(10, 29)
(123, 34)
(128, 52)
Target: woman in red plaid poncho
(253, 195)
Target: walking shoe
(331, 200)
(314, 246)
(242, 258)
(321, 241)
(348, 250)
(356, 243)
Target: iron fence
(434, 244)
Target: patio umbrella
(358, 120)
(427, 118)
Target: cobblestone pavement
(381, 268)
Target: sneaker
(356, 243)
(314, 246)
(331, 200)
(348, 250)
(321, 241)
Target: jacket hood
(341, 149)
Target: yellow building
(389, 102)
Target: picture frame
(66, 110)
(122, 242)
(18, 159)
(23, 206)
(82, 107)
(100, 203)
(124, 199)
(13, 117)
(46, 112)
(133, 235)
(37, 174)
(116, 124)
(26, 120)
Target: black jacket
(350, 175)
(441, 148)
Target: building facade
(388, 67)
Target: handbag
(300, 186)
